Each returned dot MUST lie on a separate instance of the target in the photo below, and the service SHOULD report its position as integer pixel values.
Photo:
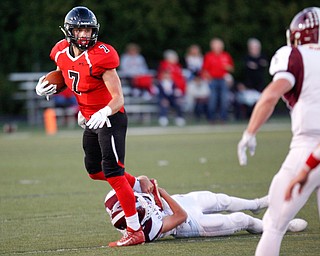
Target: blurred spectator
(245, 99)
(65, 99)
(132, 63)
(170, 63)
(255, 65)
(198, 93)
(134, 69)
(67, 103)
(216, 67)
(194, 60)
(170, 95)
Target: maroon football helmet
(144, 205)
(304, 28)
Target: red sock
(124, 193)
(98, 176)
(131, 179)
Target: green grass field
(49, 206)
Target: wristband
(312, 162)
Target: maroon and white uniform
(150, 218)
(300, 66)
(205, 218)
(204, 215)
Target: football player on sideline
(196, 214)
(89, 70)
(296, 76)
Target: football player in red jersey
(296, 76)
(89, 70)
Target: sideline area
(274, 124)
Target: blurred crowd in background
(199, 83)
(171, 68)
(198, 87)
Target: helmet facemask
(304, 28)
(81, 17)
(145, 206)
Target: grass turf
(48, 205)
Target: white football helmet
(304, 28)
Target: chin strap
(63, 31)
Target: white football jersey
(301, 66)
(190, 227)
(152, 227)
(204, 215)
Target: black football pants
(104, 147)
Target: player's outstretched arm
(261, 113)
(179, 214)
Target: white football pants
(205, 206)
(280, 212)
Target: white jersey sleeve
(300, 66)
(279, 66)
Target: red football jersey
(83, 74)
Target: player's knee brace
(223, 201)
(239, 218)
